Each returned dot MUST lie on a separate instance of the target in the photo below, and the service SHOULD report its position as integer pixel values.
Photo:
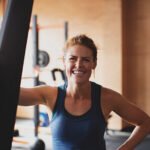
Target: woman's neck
(79, 91)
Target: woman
(80, 107)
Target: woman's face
(79, 63)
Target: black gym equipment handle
(58, 70)
(13, 38)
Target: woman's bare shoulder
(116, 102)
(109, 100)
(109, 95)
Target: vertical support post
(66, 30)
(35, 64)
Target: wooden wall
(136, 52)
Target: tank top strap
(60, 100)
(96, 99)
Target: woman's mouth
(78, 72)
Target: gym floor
(26, 138)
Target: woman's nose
(78, 63)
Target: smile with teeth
(78, 72)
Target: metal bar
(35, 63)
(66, 30)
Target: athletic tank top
(84, 132)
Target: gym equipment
(39, 143)
(13, 38)
(60, 71)
(66, 30)
(43, 58)
(34, 143)
(16, 133)
(44, 119)
(36, 63)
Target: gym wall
(102, 21)
(121, 30)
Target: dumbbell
(38, 145)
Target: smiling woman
(79, 63)
(80, 107)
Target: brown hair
(84, 40)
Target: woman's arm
(133, 115)
(137, 136)
(36, 95)
(137, 117)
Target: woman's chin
(79, 81)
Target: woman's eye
(86, 60)
(72, 59)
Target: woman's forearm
(136, 136)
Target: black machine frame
(13, 38)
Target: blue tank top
(85, 132)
